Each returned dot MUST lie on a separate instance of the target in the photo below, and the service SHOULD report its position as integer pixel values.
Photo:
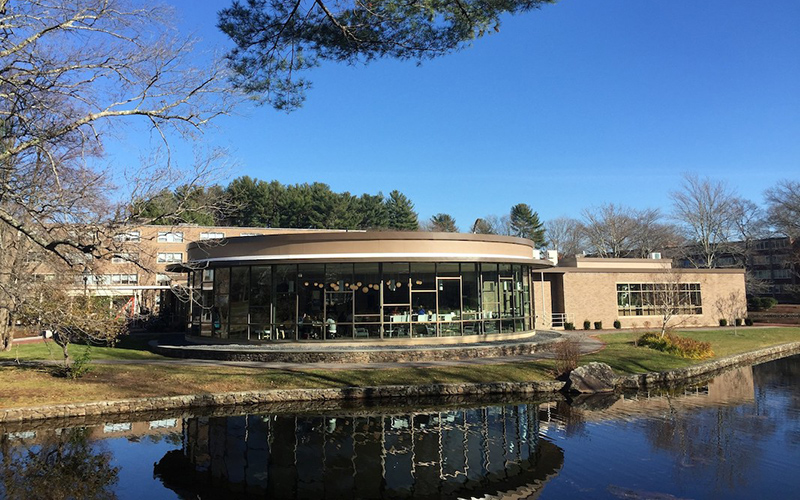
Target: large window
(169, 257)
(212, 236)
(134, 236)
(653, 299)
(170, 236)
(362, 301)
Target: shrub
(617, 324)
(676, 345)
(748, 322)
(598, 325)
(587, 324)
(569, 326)
(761, 303)
(768, 303)
(723, 322)
(738, 321)
(566, 355)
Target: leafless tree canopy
(783, 207)
(616, 231)
(565, 235)
(68, 71)
(704, 209)
(71, 73)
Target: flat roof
(373, 246)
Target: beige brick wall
(542, 302)
(593, 296)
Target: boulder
(592, 377)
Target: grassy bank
(622, 355)
(36, 386)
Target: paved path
(586, 345)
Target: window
(170, 237)
(651, 299)
(129, 236)
(163, 279)
(211, 236)
(122, 258)
(113, 279)
(760, 260)
(169, 257)
(781, 274)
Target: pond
(737, 436)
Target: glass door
(448, 300)
(506, 304)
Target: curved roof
(365, 247)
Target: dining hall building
(415, 287)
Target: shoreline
(387, 392)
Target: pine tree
(525, 224)
(402, 216)
(444, 223)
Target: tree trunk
(6, 331)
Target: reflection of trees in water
(724, 440)
(779, 380)
(446, 454)
(61, 466)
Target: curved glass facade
(360, 301)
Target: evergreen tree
(525, 224)
(444, 223)
(373, 211)
(402, 216)
(248, 197)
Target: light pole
(85, 274)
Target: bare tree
(73, 317)
(493, 224)
(71, 73)
(669, 297)
(616, 231)
(732, 307)
(783, 208)
(565, 235)
(704, 210)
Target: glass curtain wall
(360, 301)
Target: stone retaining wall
(144, 405)
(356, 356)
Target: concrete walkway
(586, 345)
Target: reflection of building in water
(155, 429)
(465, 452)
(734, 386)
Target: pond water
(737, 436)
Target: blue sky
(580, 103)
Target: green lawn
(624, 357)
(128, 348)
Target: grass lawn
(624, 357)
(36, 386)
(128, 348)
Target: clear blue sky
(580, 103)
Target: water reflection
(457, 453)
(737, 436)
(61, 465)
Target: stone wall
(177, 403)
